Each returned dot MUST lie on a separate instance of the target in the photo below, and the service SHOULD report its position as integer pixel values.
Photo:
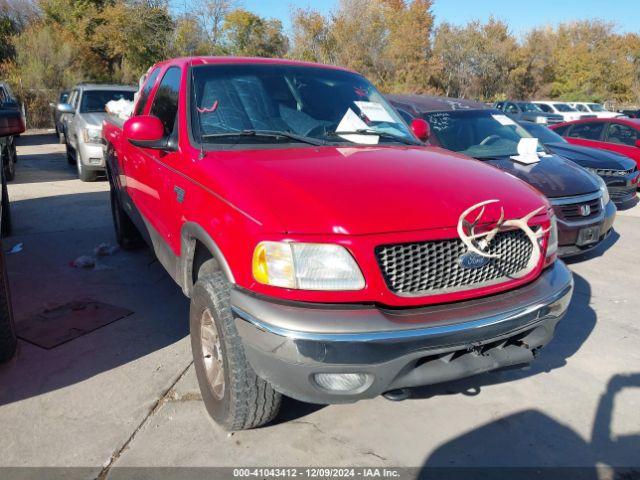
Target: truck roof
(429, 103)
(205, 60)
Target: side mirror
(65, 108)
(145, 131)
(11, 123)
(420, 129)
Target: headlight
(92, 135)
(306, 266)
(542, 120)
(552, 247)
(603, 189)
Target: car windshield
(95, 100)
(477, 133)
(542, 133)
(563, 107)
(529, 107)
(258, 104)
(596, 107)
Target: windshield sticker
(503, 120)
(351, 123)
(375, 112)
(527, 151)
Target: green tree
(247, 34)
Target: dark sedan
(580, 200)
(619, 172)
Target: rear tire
(8, 340)
(127, 235)
(9, 163)
(234, 396)
(6, 211)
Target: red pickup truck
(329, 255)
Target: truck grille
(574, 211)
(425, 268)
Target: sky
(521, 15)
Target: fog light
(342, 382)
(95, 161)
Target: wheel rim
(212, 354)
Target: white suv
(561, 108)
(595, 109)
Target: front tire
(83, 174)
(234, 396)
(127, 235)
(9, 163)
(5, 226)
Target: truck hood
(591, 157)
(360, 190)
(554, 176)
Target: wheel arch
(198, 247)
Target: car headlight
(552, 246)
(542, 120)
(306, 266)
(92, 135)
(603, 189)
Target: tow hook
(397, 395)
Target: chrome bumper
(288, 344)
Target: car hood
(94, 118)
(554, 176)
(360, 190)
(592, 157)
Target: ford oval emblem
(472, 260)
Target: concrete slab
(126, 395)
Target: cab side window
(165, 102)
(511, 108)
(545, 108)
(588, 131)
(622, 134)
(146, 90)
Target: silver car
(81, 122)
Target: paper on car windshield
(352, 122)
(503, 119)
(527, 151)
(375, 112)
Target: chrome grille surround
(432, 267)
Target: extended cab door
(622, 138)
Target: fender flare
(189, 233)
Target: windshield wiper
(266, 134)
(364, 131)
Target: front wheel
(83, 174)
(9, 163)
(234, 396)
(127, 234)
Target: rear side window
(588, 131)
(146, 90)
(165, 103)
(622, 134)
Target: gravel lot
(125, 395)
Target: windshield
(542, 133)
(529, 107)
(314, 103)
(95, 100)
(477, 133)
(596, 107)
(563, 107)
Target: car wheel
(8, 341)
(84, 174)
(6, 211)
(127, 235)
(8, 164)
(61, 137)
(71, 160)
(234, 396)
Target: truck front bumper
(364, 351)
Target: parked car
(567, 112)
(9, 112)
(329, 256)
(82, 125)
(620, 173)
(631, 113)
(620, 135)
(528, 111)
(57, 115)
(580, 200)
(594, 109)
(11, 123)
